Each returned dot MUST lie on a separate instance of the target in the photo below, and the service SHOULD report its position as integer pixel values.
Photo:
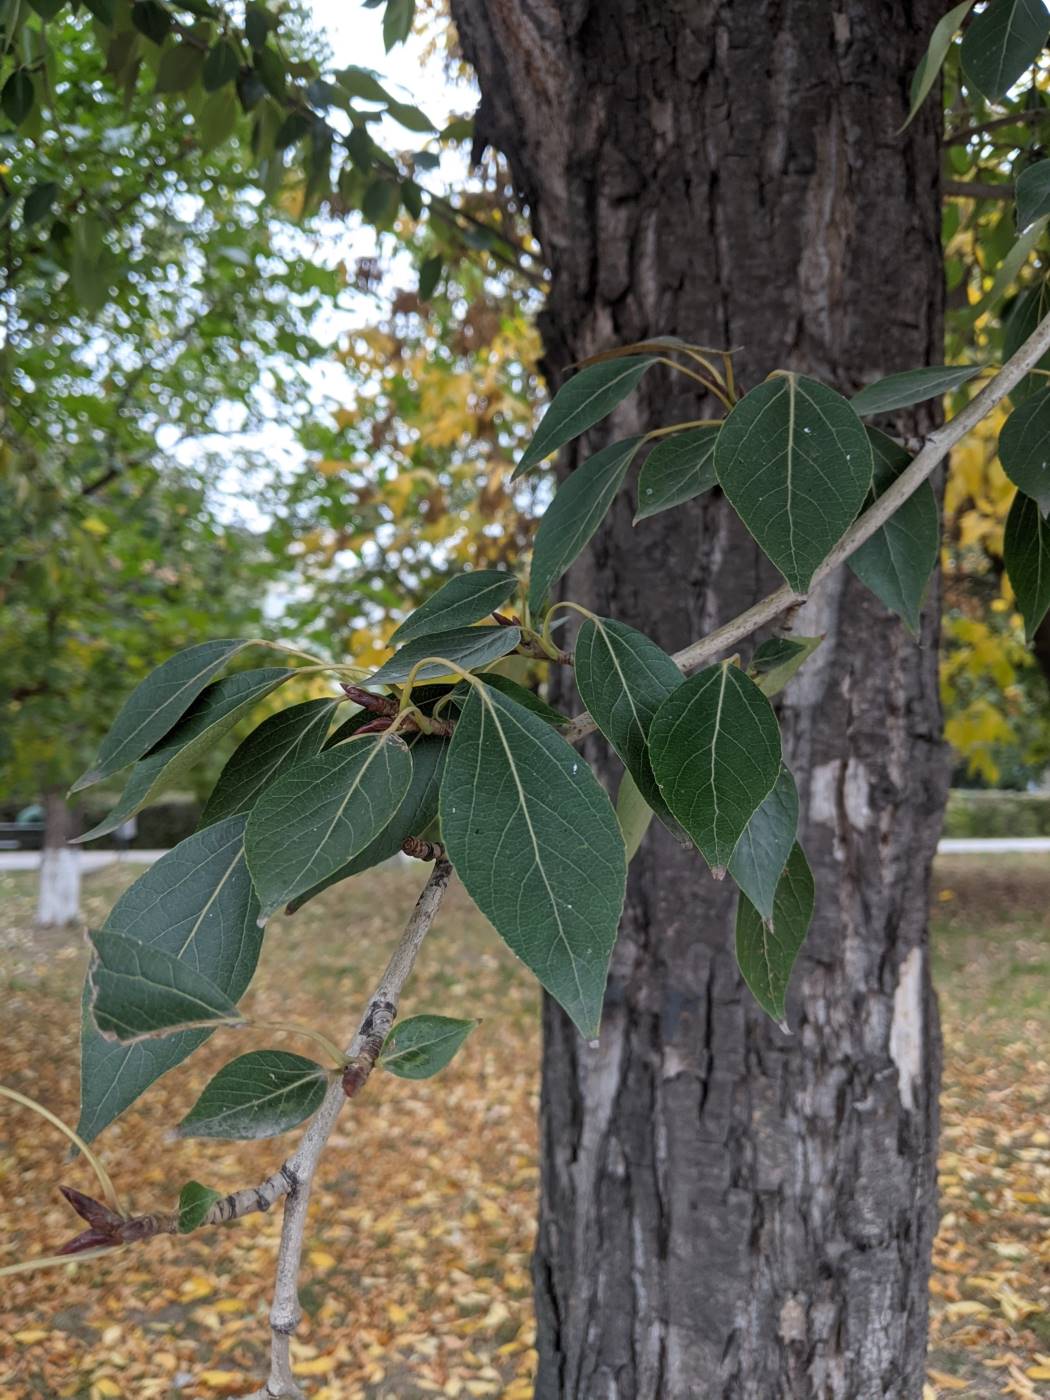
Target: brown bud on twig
(377, 704)
(423, 850)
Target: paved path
(89, 860)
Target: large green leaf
(153, 707)
(897, 561)
(1033, 194)
(258, 1095)
(715, 750)
(932, 61)
(322, 812)
(469, 647)
(536, 843)
(280, 742)
(676, 470)
(766, 949)
(1002, 41)
(581, 402)
(911, 386)
(524, 696)
(577, 510)
(462, 600)
(762, 851)
(139, 991)
(777, 659)
(623, 679)
(212, 715)
(196, 903)
(795, 462)
(1024, 448)
(423, 1045)
(1026, 555)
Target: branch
(974, 189)
(960, 138)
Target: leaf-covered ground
(416, 1277)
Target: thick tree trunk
(729, 1211)
(58, 897)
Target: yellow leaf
(320, 1366)
(321, 1259)
(105, 1388)
(947, 1382)
(30, 1336)
(967, 1307)
(1038, 1373)
(215, 1380)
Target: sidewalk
(89, 860)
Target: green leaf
(766, 950)
(138, 991)
(715, 749)
(763, 849)
(195, 1201)
(462, 600)
(39, 202)
(676, 470)
(153, 707)
(528, 698)
(397, 22)
(17, 96)
(469, 647)
(279, 743)
(103, 10)
(1033, 194)
(582, 401)
(430, 275)
(775, 661)
(197, 904)
(409, 116)
(623, 679)
(218, 118)
(536, 843)
(423, 1045)
(578, 508)
(795, 462)
(152, 19)
(634, 815)
(47, 9)
(180, 67)
(221, 66)
(322, 812)
(897, 561)
(211, 716)
(933, 60)
(1026, 555)
(1001, 42)
(912, 386)
(1024, 448)
(258, 1095)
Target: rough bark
(58, 897)
(728, 1211)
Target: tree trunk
(727, 1210)
(58, 899)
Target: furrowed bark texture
(729, 1211)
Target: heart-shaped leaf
(462, 600)
(195, 1201)
(1024, 448)
(258, 1095)
(423, 1045)
(776, 660)
(1004, 39)
(676, 470)
(138, 991)
(912, 386)
(1026, 554)
(469, 647)
(766, 949)
(763, 849)
(582, 401)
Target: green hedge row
(976, 813)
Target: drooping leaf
(155, 705)
(469, 647)
(180, 67)
(536, 843)
(1002, 41)
(763, 849)
(17, 96)
(933, 60)
(1024, 448)
(258, 1095)
(422, 1045)
(577, 510)
(195, 1201)
(715, 749)
(321, 813)
(1033, 194)
(634, 815)
(1026, 555)
(776, 660)
(221, 66)
(623, 679)
(676, 470)
(795, 462)
(139, 991)
(766, 950)
(897, 561)
(582, 401)
(212, 715)
(462, 600)
(279, 743)
(197, 904)
(911, 386)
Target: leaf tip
(718, 872)
(85, 781)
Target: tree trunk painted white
(58, 898)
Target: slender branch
(962, 137)
(974, 189)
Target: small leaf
(280, 742)
(582, 401)
(1004, 39)
(578, 508)
(912, 386)
(766, 950)
(536, 843)
(221, 66)
(195, 1201)
(634, 815)
(397, 22)
(423, 1045)
(676, 470)
(180, 67)
(715, 749)
(17, 96)
(795, 462)
(430, 275)
(1026, 555)
(39, 202)
(151, 18)
(258, 1095)
(933, 60)
(1024, 448)
(139, 991)
(322, 812)
(469, 647)
(763, 850)
(462, 600)
(775, 661)
(1033, 194)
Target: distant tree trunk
(726, 1210)
(58, 899)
